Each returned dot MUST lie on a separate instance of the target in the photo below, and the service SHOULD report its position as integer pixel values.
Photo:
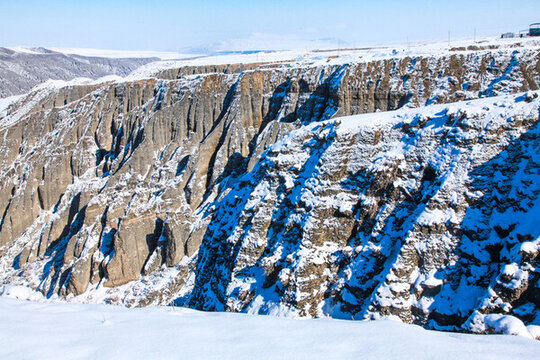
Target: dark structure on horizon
(534, 29)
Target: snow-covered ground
(73, 331)
(300, 58)
(343, 55)
(5, 102)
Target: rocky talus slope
(243, 188)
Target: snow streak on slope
(385, 214)
(61, 331)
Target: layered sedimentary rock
(171, 190)
(386, 217)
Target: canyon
(341, 185)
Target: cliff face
(384, 215)
(165, 190)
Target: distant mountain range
(23, 68)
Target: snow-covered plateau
(23, 68)
(357, 185)
(74, 331)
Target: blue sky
(235, 25)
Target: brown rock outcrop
(123, 182)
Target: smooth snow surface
(306, 58)
(72, 331)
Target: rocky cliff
(227, 187)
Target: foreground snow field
(33, 330)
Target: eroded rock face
(334, 221)
(165, 189)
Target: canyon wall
(171, 189)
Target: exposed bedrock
(115, 183)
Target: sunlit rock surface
(244, 188)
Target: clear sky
(166, 25)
